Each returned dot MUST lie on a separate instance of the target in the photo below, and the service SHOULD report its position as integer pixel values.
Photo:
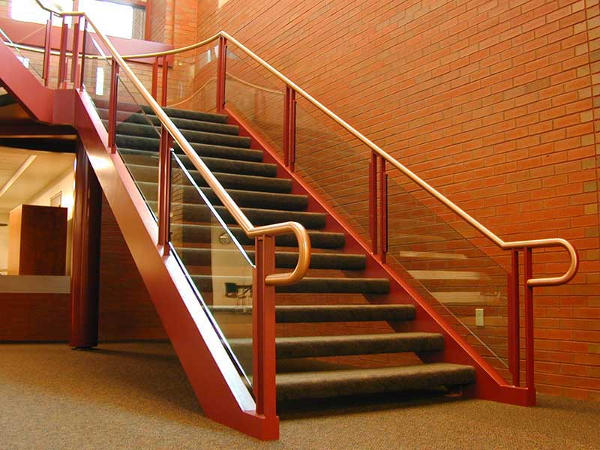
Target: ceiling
(46, 168)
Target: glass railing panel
(437, 253)
(207, 242)
(256, 96)
(137, 139)
(335, 163)
(30, 57)
(437, 250)
(137, 130)
(192, 80)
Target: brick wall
(495, 103)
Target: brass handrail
(304, 246)
(535, 243)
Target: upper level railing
(378, 198)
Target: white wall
(62, 184)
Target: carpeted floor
(135, 396)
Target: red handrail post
(165, 74)
(164, 190)
(263, 330)
(383, 207)
(75, 51)
(62, 61)
(83, 53)
(47, 52)
(155, 78)
(373, 202)
(514, 357)
(289, 128)
(529, 350)
(112, 106)
(221, 71)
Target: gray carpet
(135, 396)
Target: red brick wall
(495, 103)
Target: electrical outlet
(479, 317)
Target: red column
(263, 321)
(164, 190)
(529, 350)
(221, 71)
(85, 265)
(514, 358)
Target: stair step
(288, 260)
(365, 286)
(186, 212)
(149, 173)
(291, 386)
(366, 344)
(193, 137)
(128, 142)
(329, 313)
(182, 124)
(190, 115)
(189, 194)
(203, 234)
(214, 163)
(171, 112)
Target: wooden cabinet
(37, 237)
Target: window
(121, 18)
(30, 11)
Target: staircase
(336, 337)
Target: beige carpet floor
(135, 396)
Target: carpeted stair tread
(149, 157)
(203, 234)
(125, 143)
(189, 194)
(215, 164)
(182, 124)
(171, 112)
(190, 115)
(330, 313)
(193, 137)
(306, 285)
(190, 213)
(334, 383)
(146, 173)
(365, 344)
(287, 260)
